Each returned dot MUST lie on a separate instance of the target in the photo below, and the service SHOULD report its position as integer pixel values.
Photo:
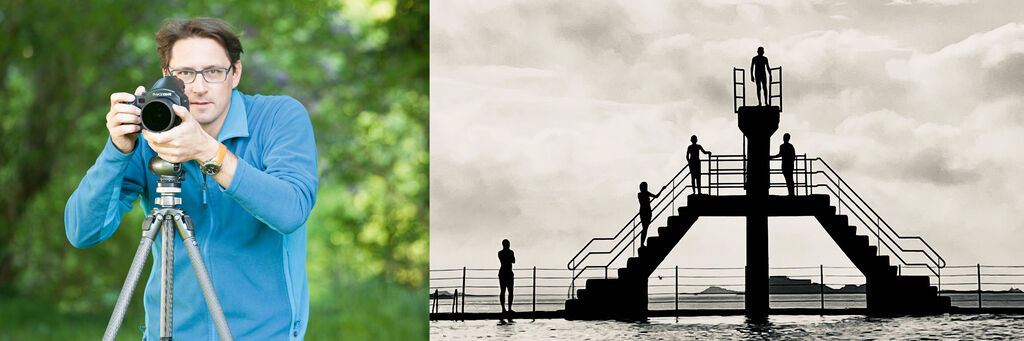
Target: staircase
(625, 297)
(888, 292)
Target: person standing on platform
(645, 198)
(693, 160)
(788, 155)
(505, 275)
(760, 74)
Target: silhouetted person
(645, 198)
(760, 73)
(505, 276)
(693, 159)
(788, 155)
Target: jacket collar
(237, 123)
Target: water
(781, 327)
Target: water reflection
(758, 327)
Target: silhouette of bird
(659, 278)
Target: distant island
(786, 285)
(1011, 290)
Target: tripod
(164, 219)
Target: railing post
(572, 284)
(455, 300)
(534, 290)
(878, 240)
(463, 289)
(979, 286)
(677, 290)
(821, 274)
(436, 296)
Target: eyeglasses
(212, 75)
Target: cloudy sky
(546, 115)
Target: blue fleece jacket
(252, 234)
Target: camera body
(157, 113)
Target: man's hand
(123, 120)
(187, 141)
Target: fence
(468, 290)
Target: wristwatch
(212, 166)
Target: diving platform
(814, 189)
(741, 205)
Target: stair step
(830, 210)
(654, 242)
(670, 231)
(598, 285)
(634, 263)
(573, 305)
(859, 241)
(915, 282)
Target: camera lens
(157, 116)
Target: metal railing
(726, 173)
(742, 87)
(739, 97)
(462, 290)
(774, 81)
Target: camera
(157, 113)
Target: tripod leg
(167, 280)
(187, 231)
(151, 226)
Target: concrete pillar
(757, 124)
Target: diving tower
(821, 193)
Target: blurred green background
(360, 67)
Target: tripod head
(169, 184)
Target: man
(760, 72)
(249, 216)
(505, 275)
(693, 160)
(788, 155)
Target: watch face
(211, 168)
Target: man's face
(208, 102)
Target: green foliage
(360, 68)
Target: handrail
(803, 178)
(939, 262)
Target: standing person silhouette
(760, 74)
(645, 198)
(505, 275)
(788, 155)
(693, 160)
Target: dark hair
(213, 28)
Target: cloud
(930, 2)
(555, 112)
